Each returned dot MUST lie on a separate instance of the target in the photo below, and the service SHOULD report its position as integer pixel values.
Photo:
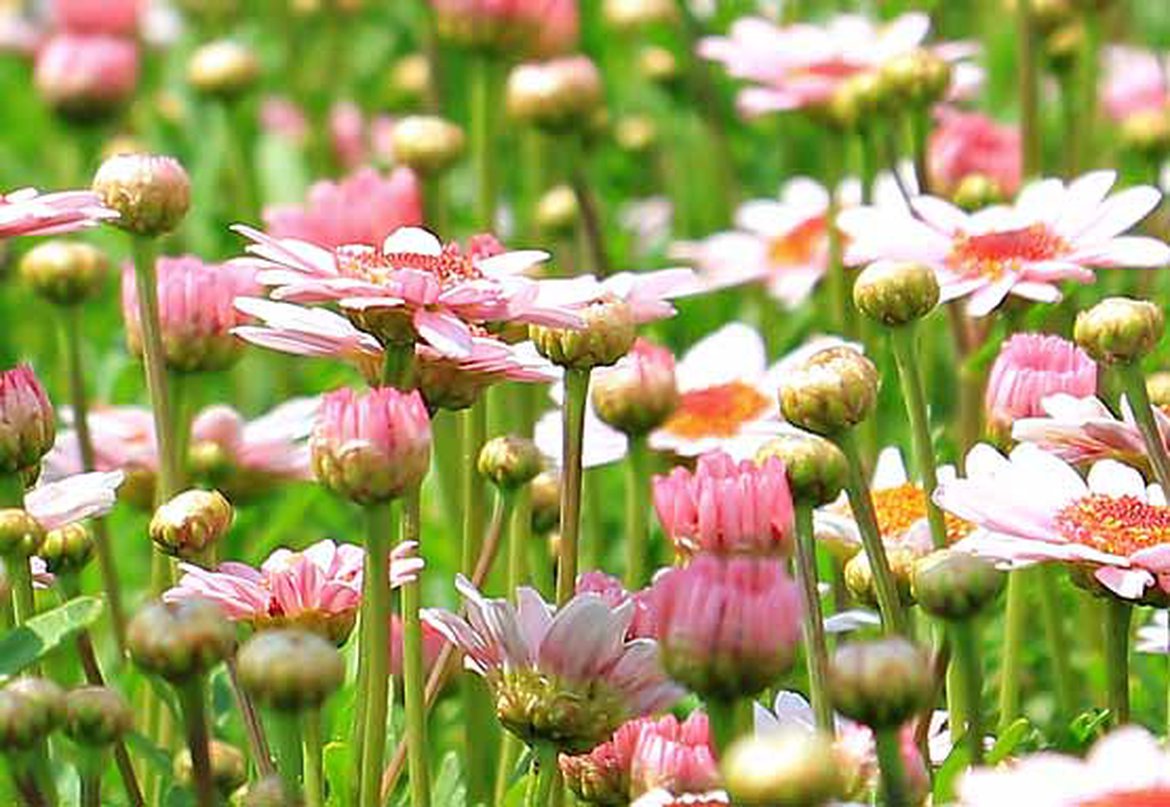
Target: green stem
(1120, 613)
(894, 787)
(723, 717)
(1133, 383)
(903, 342)
(195, 724)
(413, 674)
(576, 392)
(591, 224)
(398, 366)
(22, 767)
(1028, 89)
(813, 626)
(313, 762)
(381, 524)
(835, 283)
(20, 575)
(542, 778)
(90, 786)
(483, 126)
(1013, 646)
(1052, 616)
(637, 508)
(970, 679)
(860, 502)
(285, 729)
(253, 728)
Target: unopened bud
(977, 191)
(1158, 388)
(410, 77)
(1047, 15)
(789, 768)
(151, 193)
(46, 697)
(181, 639)
(631, 15)
(557, 210)
(1064, 45)
(636, 133)
(67, 550)
(1147, 132)
(509, 462)
(834, 390)
(918, 78)
(21, 535)
(426, 143)
(881, 683)
(191, 522)
(65, 272)
(607, 335)
(560, 94)
(1119, 329)
(817, 470)
(290, 669)
(229, 767)
(658, 65)
(955, 585)
(96, 716)
(859, 575)
(225, 69)
(27, 422)
(855, 102)
(23, 724)
(546, 501)
(640, 392)
(896, 294)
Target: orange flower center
(1146, 797)
(1119, 525)
(799, 245)
(993, 254)
(898, 509)
(718, 411)
(450, 267)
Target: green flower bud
(640, 393)
(23, 724)
(977, 191)
(68, 549)
(21, 535)
(546, 501)
(859, 575)
(1119, 329)
(229, 767)
(955, 585)
(539, 708)
(817, 470)
(97, 716)
(178, 640)
(561, 94)
(65, 272)
(856, 101)
(607, 335)
(410, 78)
(191, 522)
(832, 391)
(557, 211)
(1158, 388)
(633, 15)
(290, 669)
(881, 683)
(896, 294)
(1147, 133)
(636, 134)
(658, 65)
(150, 193)
(918, 78)
(45, 696)
(790, 768)
(426, 143)
(509, 461)
(224, 69)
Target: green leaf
(42, 634)
(948, 774)
(158, 758)
(449, 787)
(338, 771)
(1009, 740)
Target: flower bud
(557, 210)
(21, 535)
(917, 78)
(1119, 329)
(270, 791)
(27, 422)
(790, 768)
(65, 272)
(151, 193)
(631, 15)
(639, 393)
(1158, 388)
(817, 470)
(545, 490)
(45, 696)
(855, 103)
(896, 294)
(509, 461)
(977, 191)
(560, 94)
(859, 575)
(410, 78)
(67, 549)
(427, 143)
(229, 767)
(1147, 132)
(608, 334)
(96, 716)
(373, 446)
(955, 585)
(636, 134)
(138, 488)
(834, 390)
(23, 724)
(881, 683)
(1048, 15)
(86, 77)
(224, 69)
(658, 65)
(190, 522)
(179, 640)
(290, 669)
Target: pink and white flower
(967, 144)
(1134, 81)
(74, 498)
(86, 74)
(1031, 367)
(1052, 233)
(1083, 430)
(28, 212)
(113, 17)
(610, 589)
(1033, 507)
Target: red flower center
(1146, 797)
(993, 254)
(718, 411)
(450, 267)
(799, 245)
(1119, 525)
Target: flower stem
(1013, 645)
(1028, 89)
(1120, 612)
(837, 287)
(542, 778)
(381, 524)
(576, 391)
(285, 729)
(413, 681)
(71, 332)
(591, 224)
(253, 728)
(195, 724)
(1058, 644)
(965, 637)
(20, 575)
(903, 342)
(723, 718)
(895, 791)
(482, 136)
(893, 617)
(813, 625)
(637, 504)
(1133, 383)
(313, 762)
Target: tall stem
(637, 507)
(381, 526)
(253, 728)
(591, 224)
(1013, 645)
(1052, 616)
(816, 651)
(970, 678)
(1029, 95)
(860, 502)
(723, 718)
(543, 777)
(20, 576)
(895, 791)
(313, 762)
(837, 287)
(413, 681)
(483, 155)
(195, 724)
(1119, 615)
(1133, 383)
(576, 391)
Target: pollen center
(1146, 797)
(900, 508)
(449, 268)
(1120, 525)
(993, 254)
(799, 245)
(718, 411)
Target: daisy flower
(75, 498)
(1053, 232)
(1029, 368)
(28, 212)
(1033, 507)
(1134, 81)
(1084, 430)
(967, 144)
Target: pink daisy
(1134, 81)
(1084, 430)
(86, 74)
(28, 212)
(74, 498)
(964, 144)
(1053, 232)
(610, 589)
(1029, 368)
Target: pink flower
(196, 311)
(27, 212)
(1084, 430)
(347, 134)
(74, 498)
(661, 797)
(542, 27)
(123, 439)
(728, 627)
(318, 588)
(726, 509)
(610, 589)
(1134, 81)
(1033, 507)
(644, 754)
(87, 75)
(1053, 232)
(27, 422)
(113, 17)
(1127, 767)
(536, 658)
(1029, 368)
(282, 117)
(559, 27)
(968, 143)
(432, 645)
(414, 282)
(360, 209)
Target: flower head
(966, 144)
(28, 212)
(75, 498)
(568, 676)
(1053, 232)
(611, 590)
(113, 17)
(86, 76)
(638, 393)
(1029, 368)
(27, 422)
(535, 26)
(1084, 430)
(1134, 81)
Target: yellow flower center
(799, 245)
(719, 411)
(993, 254)
(1119, 525)
(900, 508)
